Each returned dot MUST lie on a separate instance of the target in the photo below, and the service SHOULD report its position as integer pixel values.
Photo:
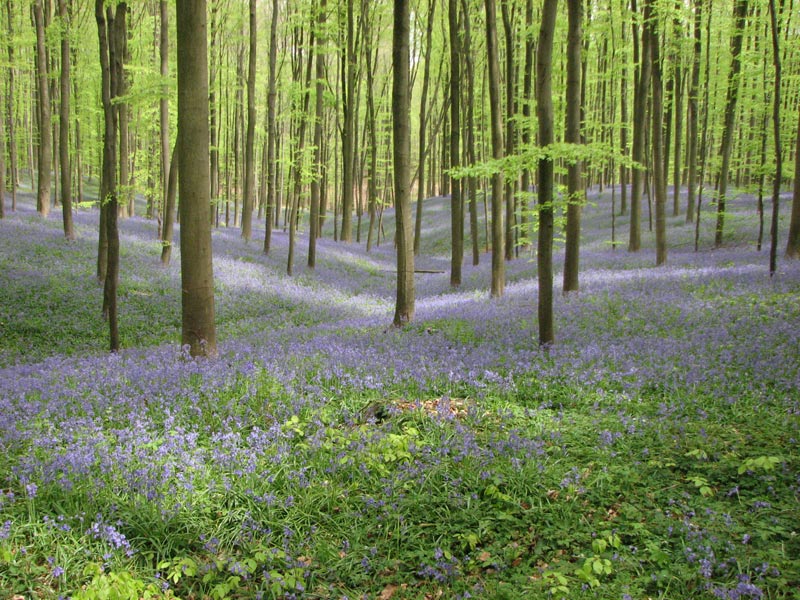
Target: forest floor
(652, 452)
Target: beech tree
(498, 233)
(65, 168)
(249, 161)
(573, 136)
(401, 152)
(544, 115)
(198, 330)
(45, 145)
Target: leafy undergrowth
(651, 453)
(537, 492)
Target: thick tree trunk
(544, 113)
(272, 93)
(122, 107)
(575, 190)
(498, 232)
(106, 29)
(45, 146)
(456, 211)
(63, 132)
(198, 330)
(249, 160)
(732, 97)
(401, 151)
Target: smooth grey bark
(423, 124)
(45, 145)
(108, 186)
(469, 137)
(659, 178)
(198, 329)
(249, 160)
(170, 205)
(313, 229)
(401, 155)
(349, 74)
(456, 207)
(63, 126)
(272, 93)
(575, 192)
(793, 241)
(693, 105)
(776, 121)
(10, 98)
(498, 232)
(163, 103)
(544, 114)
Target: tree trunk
(401, 128)
(572, 135)
(456, 210)
(163, 104)
(249, 160)
(510, 184)
(639, 145)
(348, 132)
(659, 179)
(498, 233)
(45, 147)
(793, 243)
(169, 209)
(272, 93)
(12, 143)
(469, 150)
(527, 101)
(313, 225)
(544, 113)
(198, 330)
(122, 107)
(423, 125)
(776, 120)
(693, 104)
(732, 97)
(63, 133)
(106, 29)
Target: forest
(414, 299)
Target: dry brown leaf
(388, 592)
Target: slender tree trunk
(498, 233)
(348, 133)
(2, 166)
(575, 190)
(313, 227)
(13, 167)
(776, 120)
(163, 104)
(623, 130)
(45, 146)
(169, 209)
(659, 178)
(272, 93)
(66, 180)
(423, 124)
(740, 16)
(793, 243)
(639, 145)
(198, 330)
(213, 108)
(510, 133)
(401, 128)
(544, 113)
(693, 104)
(249, 160)
(469, 150)
(527, 101)
(122, 107)
(456, 214)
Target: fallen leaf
(388, 592)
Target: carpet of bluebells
(652, 452)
